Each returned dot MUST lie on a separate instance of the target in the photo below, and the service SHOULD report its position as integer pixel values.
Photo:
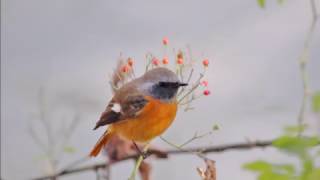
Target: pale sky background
(70, 46)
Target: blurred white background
(68, 47)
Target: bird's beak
(183, 84)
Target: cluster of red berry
(165, 41)
(206, 92)
(165, 60)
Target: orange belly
(152, 121)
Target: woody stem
(138, 162)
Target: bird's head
(161, 83)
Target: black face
(166, 90)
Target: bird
(141, 109)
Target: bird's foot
(145, 155)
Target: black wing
(128, 108)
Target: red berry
(165, 41)
(204, 83)
(180, 61)
(130, 62)
(206, 92)
(155, 61)
(165, 60)
(205, 62)
(125, 68)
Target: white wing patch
(116, 107)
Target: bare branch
(204, 150)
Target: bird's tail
(102, 141)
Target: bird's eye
(163, 84)
(169, 84)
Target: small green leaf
(259, 166)
(297, 145)
(280, 2)
(285, 168)
(69, 149)
(308, 167)
(295, 129)
(316, 102)
(261, 3)
(215, 127)
(314, 175)
(274, 176)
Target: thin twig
(96, 171)
(195, 137)
(194, 97)
(36, 138)
(148, 61)
(192, 89)
(107, 172)
(51, 143)
(67, 134)
(198, 153)
(303, 60)
(188, 81)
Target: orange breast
(152, 121)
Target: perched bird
(142, 109)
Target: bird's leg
(138, 162)
(144, 154)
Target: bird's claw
(145, 155)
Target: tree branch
(204, 150)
